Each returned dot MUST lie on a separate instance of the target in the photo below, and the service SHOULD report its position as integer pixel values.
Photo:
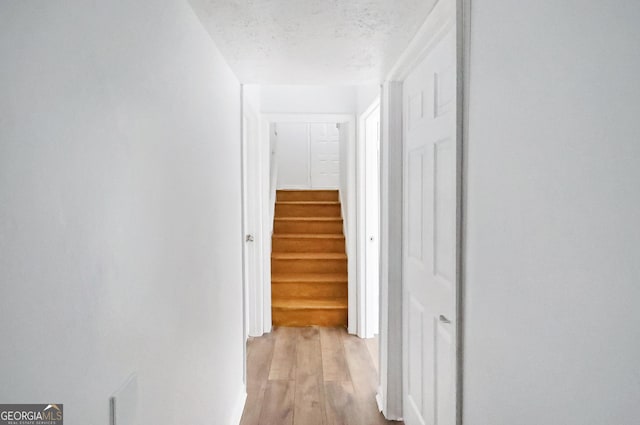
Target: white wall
(366, 94)
(553, 201)
(293, 155)
(273, 167)
(120, 237)
(343, 130)
(251, 94)
(371, 217)
(308, 99)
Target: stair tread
(306, 304)
(308, 235)
(307, 190)
(308, 218)
(308, 202)
(309, 255)
(309, 277)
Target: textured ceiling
(311, 41)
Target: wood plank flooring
(311, 376)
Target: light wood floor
(311, 376)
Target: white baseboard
(236, 413)
(379, 400)
(381, 406)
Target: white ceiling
(312, 41)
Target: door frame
(389, 395)
(349, 218)
(365, 325)
(252, 212)
(245, 304)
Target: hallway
(487, 168)
(309, 376)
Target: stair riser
(306, 210)
(279, 265)
(307, 195)
(309, 290)
(308, 245)
(311, 227)
(311, 317)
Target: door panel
(325, 156)
(444, 225)
(415, 234)
(445, 379)
(429, 237)
(416, 361)
(292, 156)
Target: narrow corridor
(311, 376)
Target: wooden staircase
(308, 260)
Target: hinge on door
(248, 238)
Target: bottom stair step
(297, 312)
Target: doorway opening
(309, 278)
(296, 152)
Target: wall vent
(123, 404)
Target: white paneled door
(429, 237)
(324, 143)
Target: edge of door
(411, 56)
(245, 304)
(463, 53)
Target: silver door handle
(249, 238)
(443, 319)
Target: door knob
(443, 319)
(249, 238)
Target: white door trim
(349, 219)
(268, 194)
(364, 327)
(390, 392)
(243, 207)
(253, 208)
(428, 35)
